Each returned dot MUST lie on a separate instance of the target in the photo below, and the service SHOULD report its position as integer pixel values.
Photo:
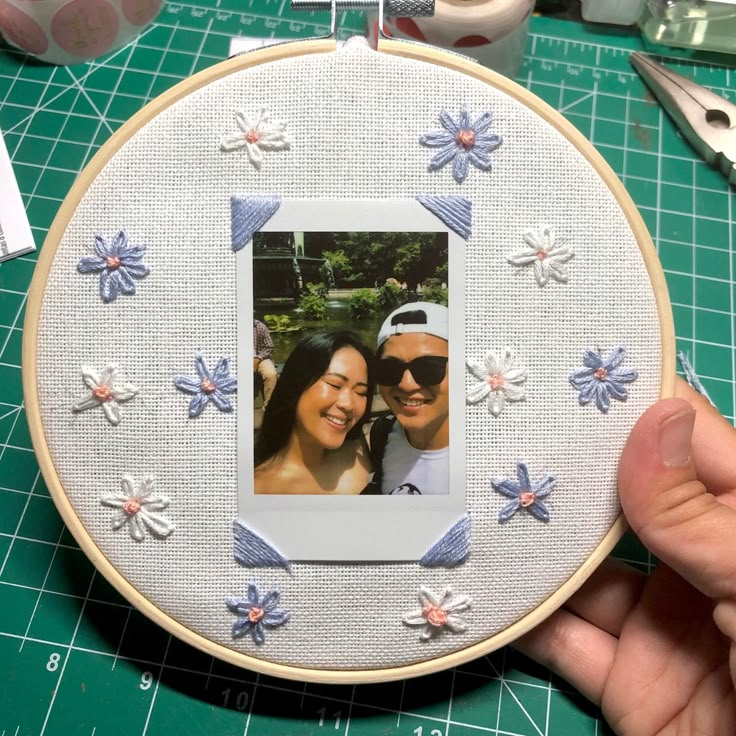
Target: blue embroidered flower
(524, 493)
(463, 143)
(602, 379)
(254, 613)
(211, 386)
(118, 262)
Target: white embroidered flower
(497, 380)
(256, 135)
(546, 254)
(108, 390)
(438, 613)
(138, 509)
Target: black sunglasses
(427, 370)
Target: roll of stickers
(69, 32)
(493, 32)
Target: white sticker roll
(69, 32)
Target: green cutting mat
(74, 658)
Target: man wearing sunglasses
(410, 446)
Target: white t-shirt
(408, 471)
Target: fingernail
(675, 436)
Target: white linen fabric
(354, 117)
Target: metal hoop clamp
(402, 8)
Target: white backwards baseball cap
(432, 319)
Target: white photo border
(353, 528)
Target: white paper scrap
(239, 44)
(16, 237)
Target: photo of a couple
(360, 411)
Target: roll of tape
(62, 32)
(493, 32)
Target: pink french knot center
(495, 381)
(465, 138)
(132, 506)
(252, 136)
(102, 393)
(542, 254)
(207, 386)
(255, 614)
(435, 615)
(113, 262)
(528, 498)
(601, 374)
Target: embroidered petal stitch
(257, 134)
(602, 379)
(462, 142)
(138, 510)
(108, 390)
(497, 381)
(438, 612)
(208, 386)
(545, 254)
(524, 494)
(255, 612)
(119, 264)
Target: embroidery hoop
(30, 361)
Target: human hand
(658, 653)
(255, 364)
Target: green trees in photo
(367, 260)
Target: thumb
(672, 512)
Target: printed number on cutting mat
(241, 699)
(322, 713)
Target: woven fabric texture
(354, 117)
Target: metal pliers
(707, 120)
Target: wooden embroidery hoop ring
(30, 378)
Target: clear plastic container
(708, 25)
(620, 12)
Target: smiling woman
(311, 440)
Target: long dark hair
(307, 363)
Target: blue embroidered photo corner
(249, 213)
(456, 212)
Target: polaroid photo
(351, 439)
